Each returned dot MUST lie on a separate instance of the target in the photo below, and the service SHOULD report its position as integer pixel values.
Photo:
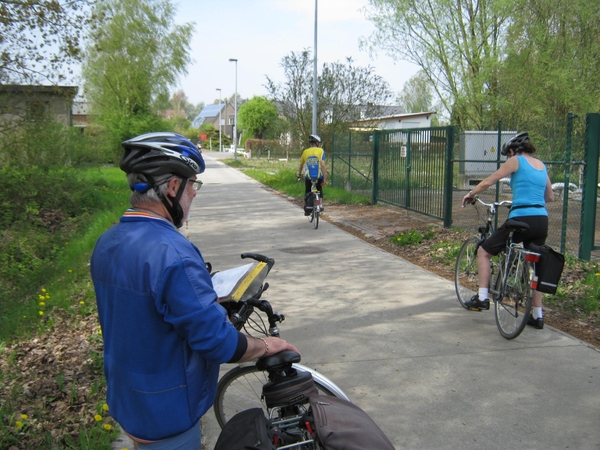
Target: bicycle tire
(465, 271)
(513, 299)
(241, 389)
(316, 221)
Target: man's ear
(173, 186)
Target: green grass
(57, 283)
(411, 237)
(281, 176)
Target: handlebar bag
(247, 430)
(341, 425)
(548, 269)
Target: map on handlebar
(240, 283)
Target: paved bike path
(392, 335)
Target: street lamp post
(235, 113)
(220, 107)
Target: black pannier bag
(247, 430)
(341, 425)
(549, 268)
(308, 202)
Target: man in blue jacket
(165, 333)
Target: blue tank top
(529, 186)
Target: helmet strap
(174, 207)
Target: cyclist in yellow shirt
(312, 166)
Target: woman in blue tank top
(531, 191)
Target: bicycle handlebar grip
(256, 256)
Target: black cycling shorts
(537, 234)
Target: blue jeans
(188, 440)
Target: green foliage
(258, 118)
(509, 61)
(411, 237)
(135, 54)
(39, 40)
(281, 176)
(41, 212)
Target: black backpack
(247, 430)
(341, 425)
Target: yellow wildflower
(19, 424)
(105, 407)
(41, 313)
(42, 303)
(97, 417)
(107, 426)
(24, 416)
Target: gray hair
(150, 197)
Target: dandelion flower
(24, 416)
(43, 289)
(82, 302)
(41, 313)
(47, 296)
(42, 303)
(105, 407)
(70, 270)
(97, 417)
(19, 424)
(107, 426)
(41, 297)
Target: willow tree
(553, 59)
(136, 54)
(457, 43)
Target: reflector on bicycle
(240, 283)
(532, 257)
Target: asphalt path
(393, 336)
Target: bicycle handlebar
(239, 312)
(507, 203)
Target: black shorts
(537, 234)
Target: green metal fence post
(349, 183)
(449, 185)
(590, 176)
(567, 180)
(332, 160)
(375, 167)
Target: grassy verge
(281, 176)
(52, 390)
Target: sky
(260, 33)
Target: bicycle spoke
(513, 304)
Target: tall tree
(136, 53)
(345, 93)
(294, 96)
(417, 94)
(552, 65)
(457, 43)
(40, 39)
(258, 117)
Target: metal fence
(430, 170)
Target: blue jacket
(164, 333)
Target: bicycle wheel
(316, 220)
(241, 389)
(465, 272)
(513, 298)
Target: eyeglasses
(197, 184)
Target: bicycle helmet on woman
(314, 138)
(516, 143)
(157, 154)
